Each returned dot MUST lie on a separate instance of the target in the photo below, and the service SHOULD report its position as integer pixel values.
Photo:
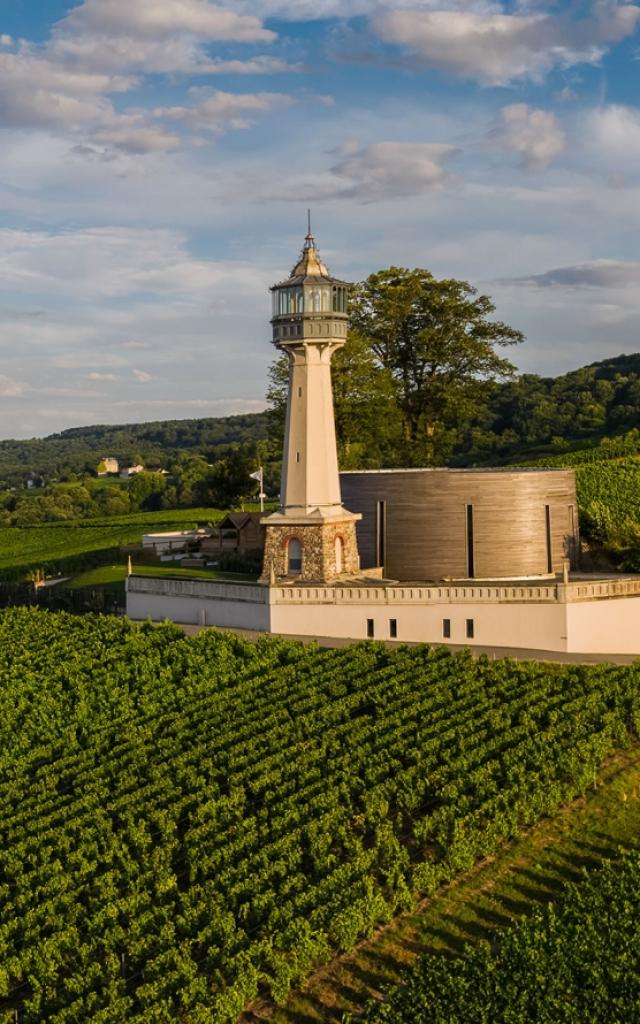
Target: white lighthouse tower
(311, 537)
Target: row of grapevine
(608, 486)
(572, 963)
(53, 543)
(186, 823)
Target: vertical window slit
(547, 520)
(471, 568)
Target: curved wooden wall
(426, 521)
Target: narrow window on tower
(297, 456)
(547, 524)
(381, 529)
(393, 628)
(299, 392)
(370, 630)
(471, 568)
(470, 629)
(446, 629)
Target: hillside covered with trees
(80, 450)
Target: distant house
(238, 531)
(108, 466)
(129, 471)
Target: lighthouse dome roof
(310, 268)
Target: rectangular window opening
(381, 529)
(299, 392)
(471, 568)
(470, 629)
(547, 519)
(370, 629)
(297, 456)
(393, 628)
(446, 629)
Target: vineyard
(608, 485)
(50, 545)
(188, 824)
(566, 964)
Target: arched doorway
(339, 553)
(294, 557)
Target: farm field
(574, 962)
(526, 873)
(608, 486)
(190, 824)
(52, 543)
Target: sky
(157, 158)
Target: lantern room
(311, 303)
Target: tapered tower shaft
(311, 536)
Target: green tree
(229, 481)
(146, 490)
(188, 475)
(436, 340)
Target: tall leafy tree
(437, 341)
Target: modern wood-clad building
(454, 524)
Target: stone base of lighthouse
(327, 550)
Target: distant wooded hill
(80, 450)
(557, 413)
(521, 419)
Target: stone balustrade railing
(463, 593)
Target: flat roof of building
(461, 469)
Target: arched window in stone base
(294, 557)
(339, 554)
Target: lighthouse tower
(311, 538)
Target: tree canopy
(435, 340)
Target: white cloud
(131, 133)
(110, 262)
(101, 376)
(10, 388)
(141, 376)
(38, 91)
(5, 40)
(219, 110)
(613, 133)
(536, 135)
(607, 274)
(388, 170)
(312, 10)
(499, 48)
(163, 19)
(158, 56)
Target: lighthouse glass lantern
(309, 321)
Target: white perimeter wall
(198, 611)
(536, 626)
(604, 627)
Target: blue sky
(157, 159)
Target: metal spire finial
(309, 232)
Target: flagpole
(259, 476)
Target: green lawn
(107, 575)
